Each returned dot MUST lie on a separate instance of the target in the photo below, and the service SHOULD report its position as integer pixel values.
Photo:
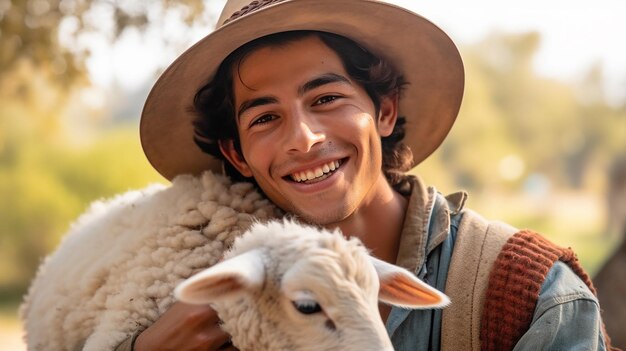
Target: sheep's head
(285, 286)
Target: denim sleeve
(567, 316)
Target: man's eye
(263, 119)
(326, 99)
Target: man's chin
(324, 217)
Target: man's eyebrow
(323, 79)
(326, 78)
(248, 104)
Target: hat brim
(422, 52)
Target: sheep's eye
(307, 306)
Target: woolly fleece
(336, 270)
(116, 269)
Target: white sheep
(285, 286)
(116, 269)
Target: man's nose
(305, 131)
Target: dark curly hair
(215, 111)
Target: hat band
(251, 7)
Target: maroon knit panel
(514, 285)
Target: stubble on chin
(326, 217)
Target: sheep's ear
(401, 288)
(227, 279)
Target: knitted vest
(490, 311)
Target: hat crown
(235, 8)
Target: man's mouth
(316, 174)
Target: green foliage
(45, 186)
(556, 129)
(113, 163)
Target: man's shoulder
(562, 285)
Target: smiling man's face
(308, 132)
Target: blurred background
(540, 141)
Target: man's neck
(378, 222)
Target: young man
(324, 104)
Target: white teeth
(316, 172)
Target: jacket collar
(426, 222)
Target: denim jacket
(567, 315)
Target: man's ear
(227, 147)
(388, 114)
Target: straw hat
(422, 52)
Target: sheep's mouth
(316, 174)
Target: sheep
(115, 271)
(285, 286)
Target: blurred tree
(513, 118)
(32, 32)
(45, 179)
(45, 186)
